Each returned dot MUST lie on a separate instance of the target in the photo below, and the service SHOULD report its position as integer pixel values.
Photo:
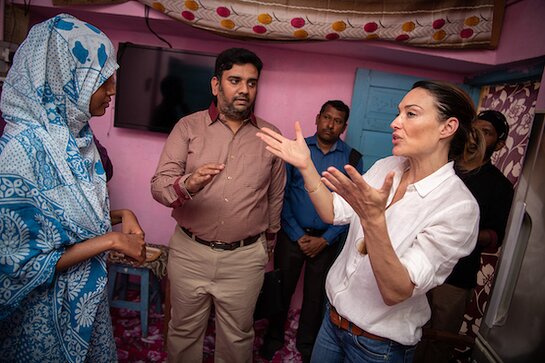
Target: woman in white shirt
(411, 219)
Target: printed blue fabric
(53, 195)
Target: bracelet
(313, 190)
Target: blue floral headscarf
(52, 184)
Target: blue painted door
(374, 106)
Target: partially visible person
(411, 219)
(494, 193)
(304, 238)
(226, 192)
(105, 159)
(55, 218)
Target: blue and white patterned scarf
(52, 193)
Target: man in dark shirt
(494, 193)
(304, 238)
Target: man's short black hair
(498, 120)
(339, 106)
(240, 56)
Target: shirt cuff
(180, 190)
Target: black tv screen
(158, 86)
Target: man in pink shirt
(226, 192)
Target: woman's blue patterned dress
(53, 195)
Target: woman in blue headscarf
(55, 218)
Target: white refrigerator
(513, 328)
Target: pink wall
(523, 32)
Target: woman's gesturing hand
(367, 202)
(295, 152)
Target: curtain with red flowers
(442, 24)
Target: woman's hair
(466, 146)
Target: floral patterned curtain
(445, 23)
(517, 102)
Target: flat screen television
(158, 86)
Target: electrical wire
(26, 6)
(146, 16)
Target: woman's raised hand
(367, 202)
(295, 152)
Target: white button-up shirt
(431, 227)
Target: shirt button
(229, 177)
(232, 156)
(226, 199)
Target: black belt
(220, 245)
(314, 232)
